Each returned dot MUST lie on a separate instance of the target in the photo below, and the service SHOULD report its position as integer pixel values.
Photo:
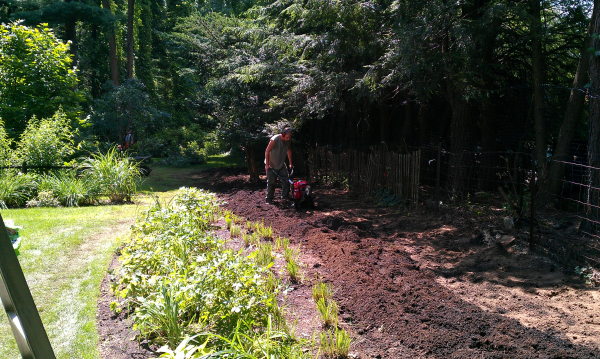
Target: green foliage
(183, 283)
(5, 146)
(44, 199)
(328, 311)
(335, 344)
(46, 142)
(126, 107)
(15, 188)
(322, 291)
(70, 189)
(36, 78)
(264, 255)
(116, 174)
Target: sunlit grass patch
(65, 253)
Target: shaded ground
(422, 284)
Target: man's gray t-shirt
(279, 152)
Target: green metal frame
(22, 313)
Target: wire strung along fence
(370, 170)
(577, 205)
(563, 223)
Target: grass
(66, 252)
(169, 179)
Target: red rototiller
(302, 193)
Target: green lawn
(65, 253)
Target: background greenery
(65, 253)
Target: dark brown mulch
(415, 284)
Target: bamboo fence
(371, 171)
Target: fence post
(532, 219)
(437, 178)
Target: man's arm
(289, 154)
(268, 155)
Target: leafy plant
(46, 142)
(161, 315)
(185, 350)
(44, 199)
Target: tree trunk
(384, 119)
(594, 129)
(251, 161)
(572, 117)
(112, 46)
(130, 13)
(538, 80)
(487, 181)
(71, 35)
(144, 59)
(461, 130)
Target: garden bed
(424, 284)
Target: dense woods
(191, 78)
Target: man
(128, 139)
(279, 146)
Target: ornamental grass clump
(322, 291)
(293, 269)
(116, 174)
(292, 265)
(72, 190)
(235, 231)
(335, 344)
(328, 311)
(264, 255)
(15, 188)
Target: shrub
(46, 142)
(116, 175)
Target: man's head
(286, 135)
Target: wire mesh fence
(565, 224)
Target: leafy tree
(36, 78)
(126, 107)
(5, 146)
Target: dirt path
(425, 285)
(422, 284)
